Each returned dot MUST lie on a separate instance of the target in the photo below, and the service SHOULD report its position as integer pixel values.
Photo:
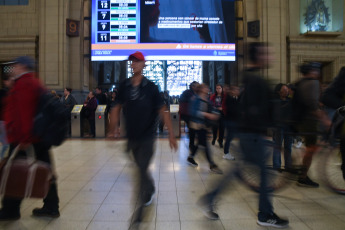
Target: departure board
(117, 21)
(163, 29)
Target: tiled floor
(97, 182)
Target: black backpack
(51, 122)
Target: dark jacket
(141, 108)
(91, 106)
(231, 108)
(334, 95)
(69, 102)
(255, 103)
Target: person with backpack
(306, 115)
(184, 107)
(20, 110)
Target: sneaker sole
(150, 201)
(192, 164)
(204, 211)
(229, 159)
(271, 225)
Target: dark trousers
(51, 201)
(142, 153)
(253, 148)
(279, 136)
(191, 132)
(202, 140)
(231, 130)
(219, 126)
(92, 127)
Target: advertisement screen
(163, 29)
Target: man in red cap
(141, 103)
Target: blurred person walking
(306, 115)
(217, 100)
(333, 98)
(141, 103)
(184, 109)
(202, 113)
(20, 110)
(255, 119)
(231, 118)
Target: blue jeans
(279, 136)
(253, 148)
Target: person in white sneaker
(255, 119)
(231, 115)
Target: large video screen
(163, 29)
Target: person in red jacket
(217, 101)
(20, 109)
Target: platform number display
(104, 5)
(103, 37)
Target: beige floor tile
(89, 197)
(114, 212)
(189, 197)
(60, 224)
(317, 222)
(229, 211)
(82, 212)
(333, 205)
(307, 209)
(190, 212)
(167, 197)
(68, 185)
(167, 212)
(121, 198)
(201, 225)
(167, 186)
(241, 224)
(28, 222)
(104, 225)
(98, 186)
(168, 225)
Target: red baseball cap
(138, 56)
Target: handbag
(24, 177)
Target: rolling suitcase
(24, 177)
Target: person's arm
(165, 114)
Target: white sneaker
(228, 156)
(298, 144)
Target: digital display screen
(77, 108)
(163, 29)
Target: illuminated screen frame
(110, 51)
